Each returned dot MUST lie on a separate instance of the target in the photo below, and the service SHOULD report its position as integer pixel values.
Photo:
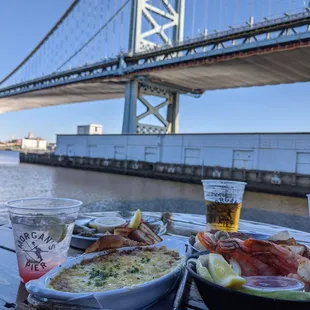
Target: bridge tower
(145, 27)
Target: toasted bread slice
(129, 242)
(104, 243)
(112, 242)
(140, 236)
(150, 233)
(123, 231)
(145, 234)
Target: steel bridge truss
(173, 18)
(269, 31)
(140, 90)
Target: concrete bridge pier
(138, 91)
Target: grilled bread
(145, 234)
(112, 242)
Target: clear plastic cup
(223, 204)
(42, 229)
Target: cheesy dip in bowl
(116, 270)
(127, 278)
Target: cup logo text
(34, 245)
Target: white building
(284, 152)
(32, 143)
(91, 129)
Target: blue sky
(261, 109)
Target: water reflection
(9, 158)
(111, 191)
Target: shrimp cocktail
(42, 230)
(223, 201)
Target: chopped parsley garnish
(95, 273)
(99, 283)
(145, 260)
(102, 275)
(133, 270)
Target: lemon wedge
(136, 220)
(235, 266)
(92, 224)
(201, 267)
(221, 273)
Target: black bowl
(217, 297)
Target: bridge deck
(93, 90)
(288, 63)
(269, 66)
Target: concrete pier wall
(284, 183)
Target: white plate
(135, 297)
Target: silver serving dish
(83, 242)
(135, 297)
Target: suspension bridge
(139, 49)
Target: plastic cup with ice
(42, 229)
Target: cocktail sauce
(273, 283)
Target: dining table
(181, 226)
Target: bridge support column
(130, 108)
(141, 92)
(148, 32)
(173, 114)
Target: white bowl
(107, 223)
(134, 297)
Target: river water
(102, 191)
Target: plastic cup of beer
(42, 229)
(223, 201)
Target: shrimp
(285, 256)
(250, 265)
(259, 257)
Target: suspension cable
(61, 19)
(236, 13)
(95, 34)
(193, 17)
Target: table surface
(13, 294)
